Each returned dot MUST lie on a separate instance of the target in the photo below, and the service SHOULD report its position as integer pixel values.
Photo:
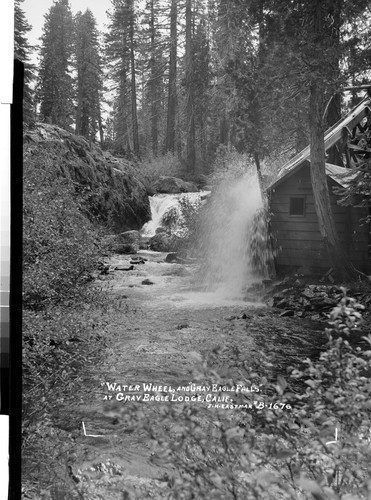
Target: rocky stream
(165, 326)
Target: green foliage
(61, 347)
(171, 219)
(283, 447)
(60, 245)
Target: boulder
(178, 271)
(147, 282)
(133, 237)
(161, 242)
(171, 257)
(174, 185)
(122, 268)
(138, 260)
(124, 248)
(126, 242)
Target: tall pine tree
(133, 83)
(89, 77)
(22, 51)
(190, 90)
(55, 85)
(120, 56)
(172, 103)
(156, 74)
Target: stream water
(225, 269)
(159, 333)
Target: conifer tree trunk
(123, 132)
(321, 193)
(322, 203)
(134, 114)
(224, 129)
(190, 116)
(154, 100)
(172, 98)
(203, 141)
(101, 134)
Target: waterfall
(227, 230)
(232, 247)
(160, 204)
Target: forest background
(187, 81)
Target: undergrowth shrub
(152, 168)
(181, 222)
(64, 320)
(358, 193)
(61, 348)
(60, 245)
(287, 443)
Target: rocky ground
(108, 188)
(165, 325)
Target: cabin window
(297, 206)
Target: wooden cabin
(294, 223)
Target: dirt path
(156, 338)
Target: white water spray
(161, 204)
(228, 223)
(232, 238)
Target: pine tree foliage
(22, 50)
(151, 47)
(89, 76)
(120, 56)
(202, 81)
(191, 76)
(356, 48)
(189, 84)
(55, 90)
(133, 82)
(172, 102)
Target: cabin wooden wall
(298, 237)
